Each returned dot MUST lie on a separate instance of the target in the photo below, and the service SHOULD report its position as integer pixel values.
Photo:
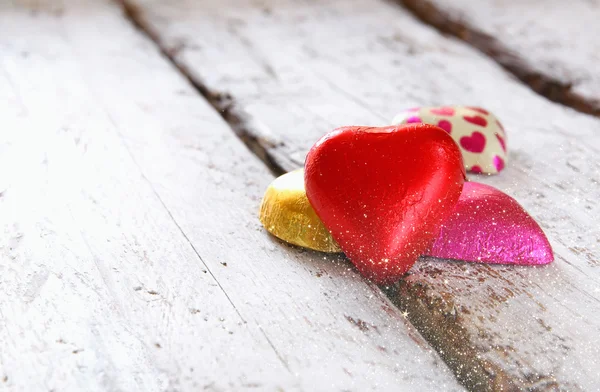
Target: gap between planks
(244, 126)
(547, 86)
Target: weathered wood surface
(551, 45)
(131, 257)
(298, 69)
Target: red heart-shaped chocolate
(383, 193)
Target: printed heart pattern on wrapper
(478, 133)
(383, 193)
(488, 226)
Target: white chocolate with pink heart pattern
(477, 132)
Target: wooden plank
(131, 253)
(550, 45)
(100, 289)
(298, 69)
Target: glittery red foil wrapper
(384, 192)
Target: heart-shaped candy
(286, 213)
(489, 226)
(383, 193)
(481, 211)
(478, 133)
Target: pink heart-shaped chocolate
(488, 226)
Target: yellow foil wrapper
(287, 214)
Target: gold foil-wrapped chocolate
(287, 214)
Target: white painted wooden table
(131, 256)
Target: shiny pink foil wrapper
(488, 226)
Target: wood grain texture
(299, 69)
(550, 45)
(131, 256)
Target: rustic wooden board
(551, 45)
(131, 256)
(285, 72)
